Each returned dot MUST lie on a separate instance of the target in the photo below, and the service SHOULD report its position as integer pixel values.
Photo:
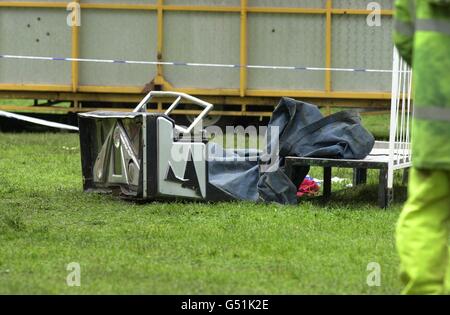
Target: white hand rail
(402, 111)
(207, 107)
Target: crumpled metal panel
(118, 161)
(111, 150)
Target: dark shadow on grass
(357, 197)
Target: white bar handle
(207, 107)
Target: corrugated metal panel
(41, 32)
(121, 1)
(357, 45)
(115, 35)
(288, 3)
(204, 2)
(205, 38)
(285, 39)
(41, 1)
(358, 4)
(96, 1)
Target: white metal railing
(401, 117)
(207, 107)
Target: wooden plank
(327, 182)
(383, 198)
(359, 176)
(345, 163)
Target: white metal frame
(401, 117)
(207, 107)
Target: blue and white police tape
(194, 64)
(37, 121)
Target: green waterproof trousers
(423, 232)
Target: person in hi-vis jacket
(422, 36)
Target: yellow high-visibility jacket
(422, 36)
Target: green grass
(46, 222)
(16, 102)
(29, 102)
(378, 125)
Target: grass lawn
(378, 125)
(46, 222)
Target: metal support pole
(327, 182)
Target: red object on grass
(308, 187)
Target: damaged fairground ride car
(146, 156)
